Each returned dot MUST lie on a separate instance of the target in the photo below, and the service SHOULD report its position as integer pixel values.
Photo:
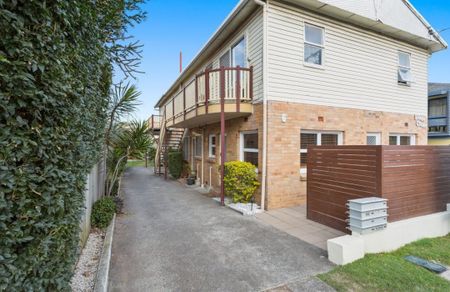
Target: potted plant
(191, 179)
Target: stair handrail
(162, 134)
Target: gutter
(431, 30)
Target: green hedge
(55, 76)
(103, 212)
(175, 163)
(240, 181)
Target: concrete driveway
(171, 238)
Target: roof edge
(214, 36)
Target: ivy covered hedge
(55, 73)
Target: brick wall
(284, 186)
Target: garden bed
(86, 269)
(246, 209)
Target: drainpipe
(265, 115)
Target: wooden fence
(415, 180)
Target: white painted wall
(346, 249)
(95, 189)
(360, 67)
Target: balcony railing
(234, 85)
(155, 122)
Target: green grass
(391, 272)
(136, 163)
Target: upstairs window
(437, 107)
(314, 45)
(238, 54)
(404, 68)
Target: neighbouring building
(289, 74)
(438, 114)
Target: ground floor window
(186, 148)
(249, 147)
(198, 146)
(212, 145)
(402, 139)
(312, 138)
(373, 139)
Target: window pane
(303, 159)
(225, 60)
(307, 139)
(404, 75)
(238, 54)
(437, 107)
(251, 157)
(251, 141)
(404, 59)
(392, 140)
(313, 54)
(314, 34)
(213, 140)
(371, 140)
(329, 139)
(405, 140)
(198, 146)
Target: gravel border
(101, 281)
(86, 268)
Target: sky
(178, 25)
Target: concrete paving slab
(173, 239)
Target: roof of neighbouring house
(438, 88)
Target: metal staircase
(169, 139)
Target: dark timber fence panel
(415, 179)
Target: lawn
(391, 272)
(136, 163)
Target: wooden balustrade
(208, 87)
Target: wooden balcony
(199, 102)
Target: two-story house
(280, 75)
(438, 114)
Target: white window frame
(377, 137)
(398, 136)
(241, 144)
(319, 134)
(211, 145)
(195, 146)
(230, 48)
(322, 46)
(408, 82)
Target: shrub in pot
(240, 181)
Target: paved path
(171, 238)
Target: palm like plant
(123, 140)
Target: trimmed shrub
(56, 64)
(103, 212)
(240, 181)
(175, 163)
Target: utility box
(367, 215)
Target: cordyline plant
(56, 64)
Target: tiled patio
(293, 221)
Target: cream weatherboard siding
(253, 32)
(359, 71)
